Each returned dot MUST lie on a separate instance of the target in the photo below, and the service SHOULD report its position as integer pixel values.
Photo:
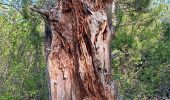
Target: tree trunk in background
(79, 61)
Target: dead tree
(79, 61)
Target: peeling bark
(79, 61)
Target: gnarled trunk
(79, 61)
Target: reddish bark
(79, 61)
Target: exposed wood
(79, 61)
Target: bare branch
(40, 11)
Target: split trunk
(79, 59)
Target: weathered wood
(79, 61)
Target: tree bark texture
(79, 61)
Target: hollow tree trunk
(79, 61)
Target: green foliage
(22, 74)
(143, 48)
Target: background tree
(142, 58)
(22, 68)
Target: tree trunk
(79, 62)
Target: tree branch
(40, 11)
